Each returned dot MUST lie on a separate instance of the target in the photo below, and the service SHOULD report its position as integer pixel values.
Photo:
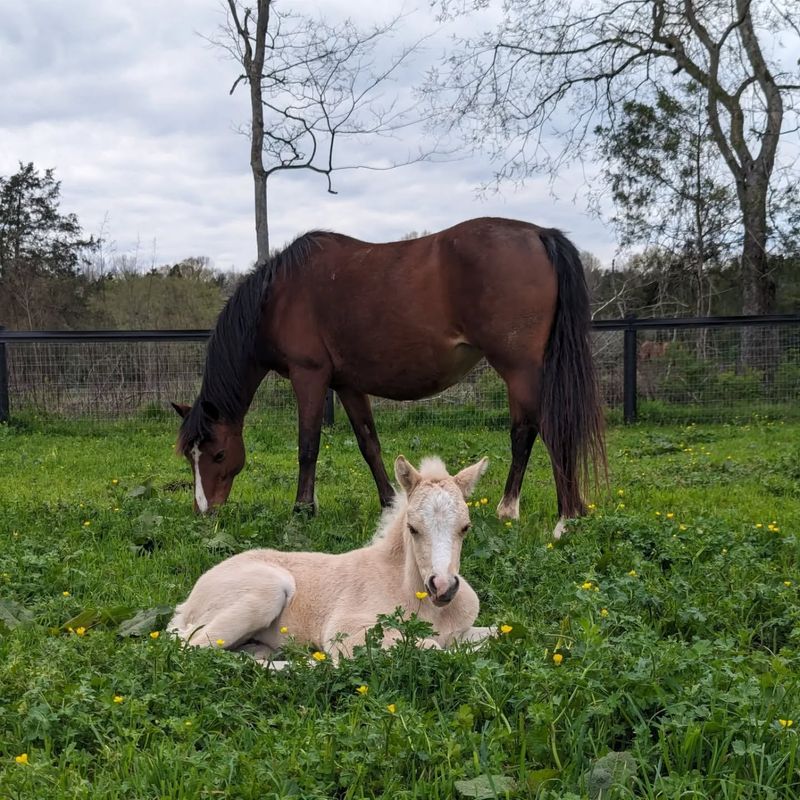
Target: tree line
(53, 276)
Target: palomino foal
(253, 600)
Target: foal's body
(330, 601)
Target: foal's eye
(466, 527)
(412, 530)
(219, 457)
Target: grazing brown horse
(405, 320)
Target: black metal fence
(659, 369)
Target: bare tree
(535, 89)
(311, 84)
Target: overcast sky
(130, 105)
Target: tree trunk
(758, 288)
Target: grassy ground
(673, 608)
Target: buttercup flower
(318, 656)
(549, 545)
(787, 583)
(670, 515)
(484, 500)
(786, 723)
(362, 689)
(80, 631)
(87, 523)
(114, 481)
(22, 758)
(557, 658)
(508, 524)
(621, 492)
(220, 642)
(65, 594)
(118, 698)
(421, 595)
(391, 708)
(284, 629)
(154, 634)
(587, 585)
(603, 612)
(632, 573)
(506, 629)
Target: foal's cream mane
(431, 468)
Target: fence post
(327, 409)
(4, 405)
(629, 370)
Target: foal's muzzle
(447, 596)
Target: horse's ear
(406, 475)
(181, 409)
(467, 479)
(210, 410)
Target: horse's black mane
(232, 343)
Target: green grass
(686, 656)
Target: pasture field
(664, 629)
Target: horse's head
(437, 519)
(214, 449)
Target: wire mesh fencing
(682, 374)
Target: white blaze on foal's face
(438, 520)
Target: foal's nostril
(451, 591)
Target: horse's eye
(412, 530)
(219, 457)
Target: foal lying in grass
(252, 600)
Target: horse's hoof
(558, 531)
(305, 509)
(508, 508)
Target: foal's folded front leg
(474, 635)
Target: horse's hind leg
(357, 406)
(250, 615)
(523, 402)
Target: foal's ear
(467, 479)
(181, 409)
(406, 475)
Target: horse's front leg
(309, 389)
(359, 412)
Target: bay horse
(406, 320)
(252, 601)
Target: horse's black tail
(570, 414)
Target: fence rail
(678, 368)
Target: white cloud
(131, 107)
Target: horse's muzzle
(443, 599)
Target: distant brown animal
(406, 320)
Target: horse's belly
(421, 372)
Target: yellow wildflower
(621, 492)
(620, 505)
(557, 658)
(786, 723)
(65, 594)
(155, 634)
(114, 481)
(587, 585)
(508, 524)
(118, 698)
(724, 551)
(362, 689)
(682, 527)
(22, 758)
(603, 612)
(318, 656)
(421, 595)
(759, 525)
(506, 629)
(284, 629)
(787, 583)
(87, 523)
(632, 573)
(391, 708)
(484, 500)
(80, 631)
(670, 515)
(658, 513)
(220, 642)
(550, 545)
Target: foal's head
(215, 451)
(437, 519)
